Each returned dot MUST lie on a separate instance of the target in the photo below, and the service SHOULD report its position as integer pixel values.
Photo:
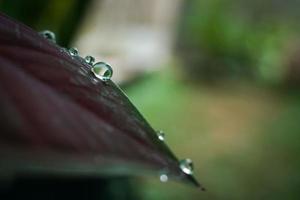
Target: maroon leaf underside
(56, 117)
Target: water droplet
(186, 166)
(163, 178)
(102, 71)
(73, 51)
(48, 35)
(161, 135)
(89, 60)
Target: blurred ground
(243, 138)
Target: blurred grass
(242, 138)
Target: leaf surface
(56, 117)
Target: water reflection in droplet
(73, 51)
(186, 166)
(102, 71)
(89, 60)
(161, 135)
(49, 35)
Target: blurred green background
(228, 98)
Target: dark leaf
(56, 117)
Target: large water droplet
(186, 166)
(161, 135)
(73, 51)
(102, 71)
(163, 178)
(89, 60)
(48, 35)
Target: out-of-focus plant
(226, 39)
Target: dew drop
(89, 60)
(187, 166)
(161, 135)
(102, 71)
(73, 51)
(48, 35)
(163, 178)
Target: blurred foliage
(60, 17)
(234, 39)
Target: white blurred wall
(134, 36)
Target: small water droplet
(163, 178)
(186, 166)
(102, 71)
(48, 35)
(161, 135)
(89, 60)
(73, 51)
